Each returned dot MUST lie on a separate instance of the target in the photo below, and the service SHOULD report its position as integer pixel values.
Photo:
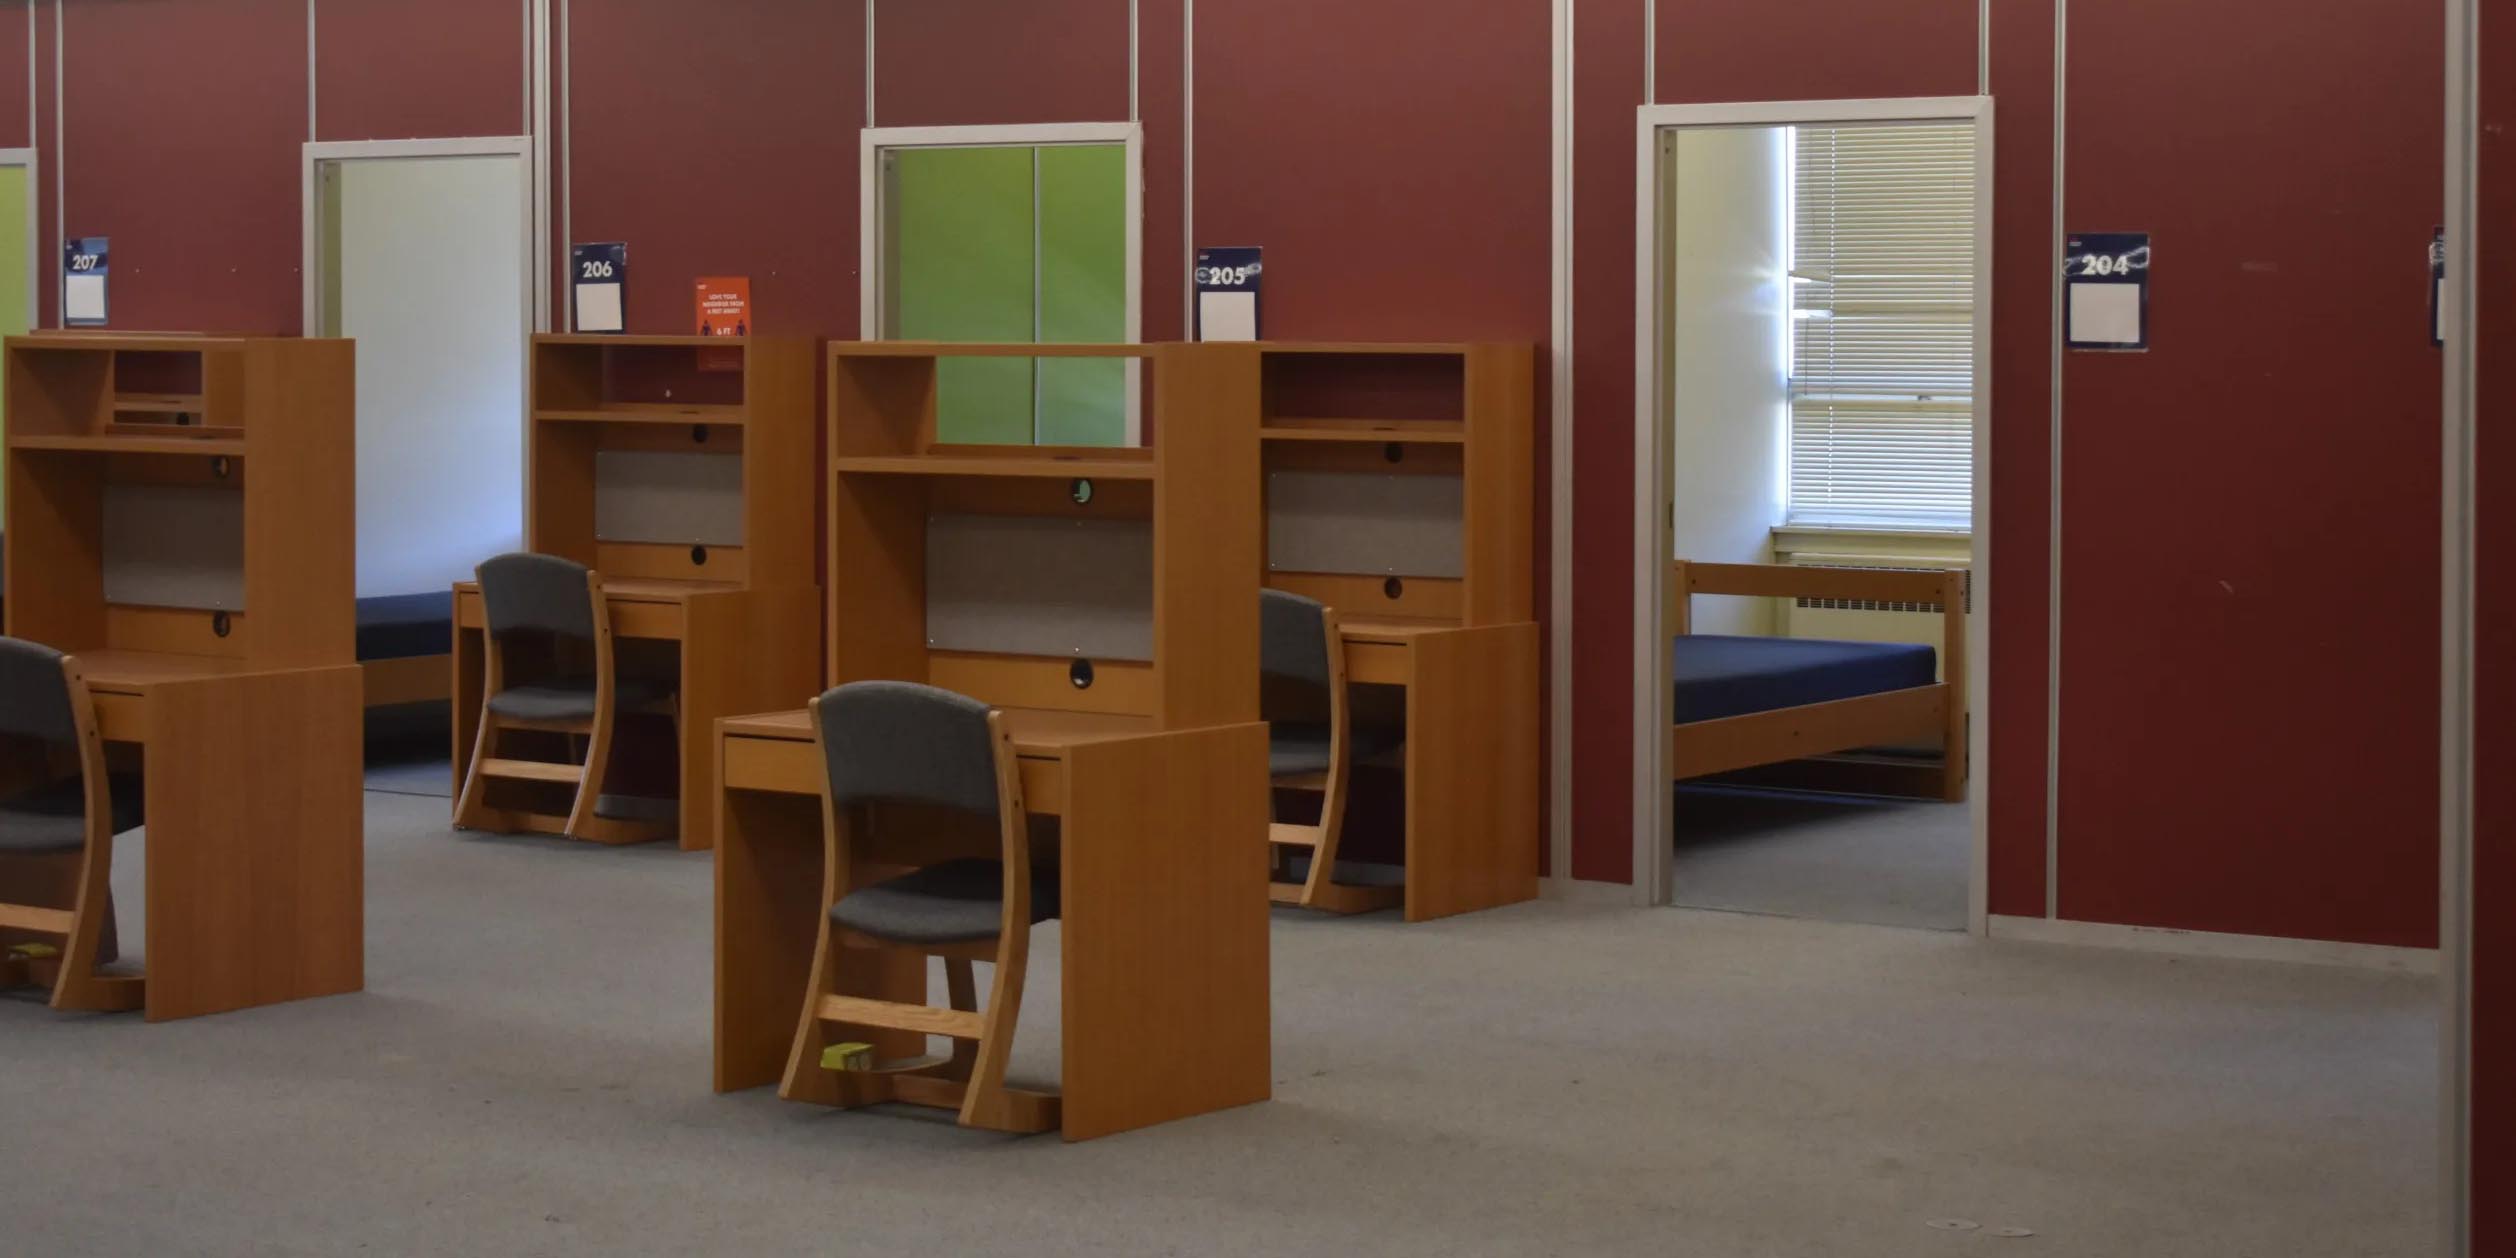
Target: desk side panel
(1472, 780)
(1165, 928)
(301, 515)
(741, 652)
(257, 850)
(768, 915)
(1208, 534)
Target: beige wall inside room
(1728, 302)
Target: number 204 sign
(2107, 279)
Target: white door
(423, 261)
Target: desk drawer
(1382, 663)
(1043, 784)
(646, 620)
(773, 764)
(121, 718)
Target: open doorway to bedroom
(1813, 324)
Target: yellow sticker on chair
(848, 1056)
(34, 952)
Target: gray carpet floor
(1829, 858)
(527, 1074)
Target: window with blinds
(1882, 327)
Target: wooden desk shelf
(1399, 490)
(598, 398)
(895, 488)
(158, 537)
(206, 446)
(1120, 635)
(683, 469)
(1098, 466)
(180, 518)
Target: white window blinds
(1882, 327)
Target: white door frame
(874, 140)
(35, 267)
(531, 284)
(1652, 844)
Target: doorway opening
(424, 253)
(1812, 319)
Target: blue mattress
(398, 626)
(1719, 675)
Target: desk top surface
(1361, 629)
(640, 589)
(1036, 731)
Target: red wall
(184, 119)
(966, 62)
(404, 69)
(2019, 499)
(17, 126)
(1607, 46)
(1430, 223)
(721, 140)
(2249, 538)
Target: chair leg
(598, 755)
(484, 745)
(987, 1103)
(1323, 858)
(962, 985)
(79, 986)
(803, 1061)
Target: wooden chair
(1301, 662)
(59, 803)
(545, 615)
(890, 748)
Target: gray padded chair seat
(572, 698)
(953, 902)
(52, 820)
(1295, 749)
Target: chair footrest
(1292, 835)
(533, 771)
(28, 917)
(859, 1011)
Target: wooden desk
(256, 851)
(1471, 756)
(1163, 943)
(740, 650)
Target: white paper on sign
(598, 308)
(83, 297)
(1227, 316)
(2105, 314)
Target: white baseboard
(1580, 891)
(2201, 943)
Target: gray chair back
(900, 742)
(536, 594)
(34, 695)
(1292, 638)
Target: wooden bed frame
(1937, 711)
